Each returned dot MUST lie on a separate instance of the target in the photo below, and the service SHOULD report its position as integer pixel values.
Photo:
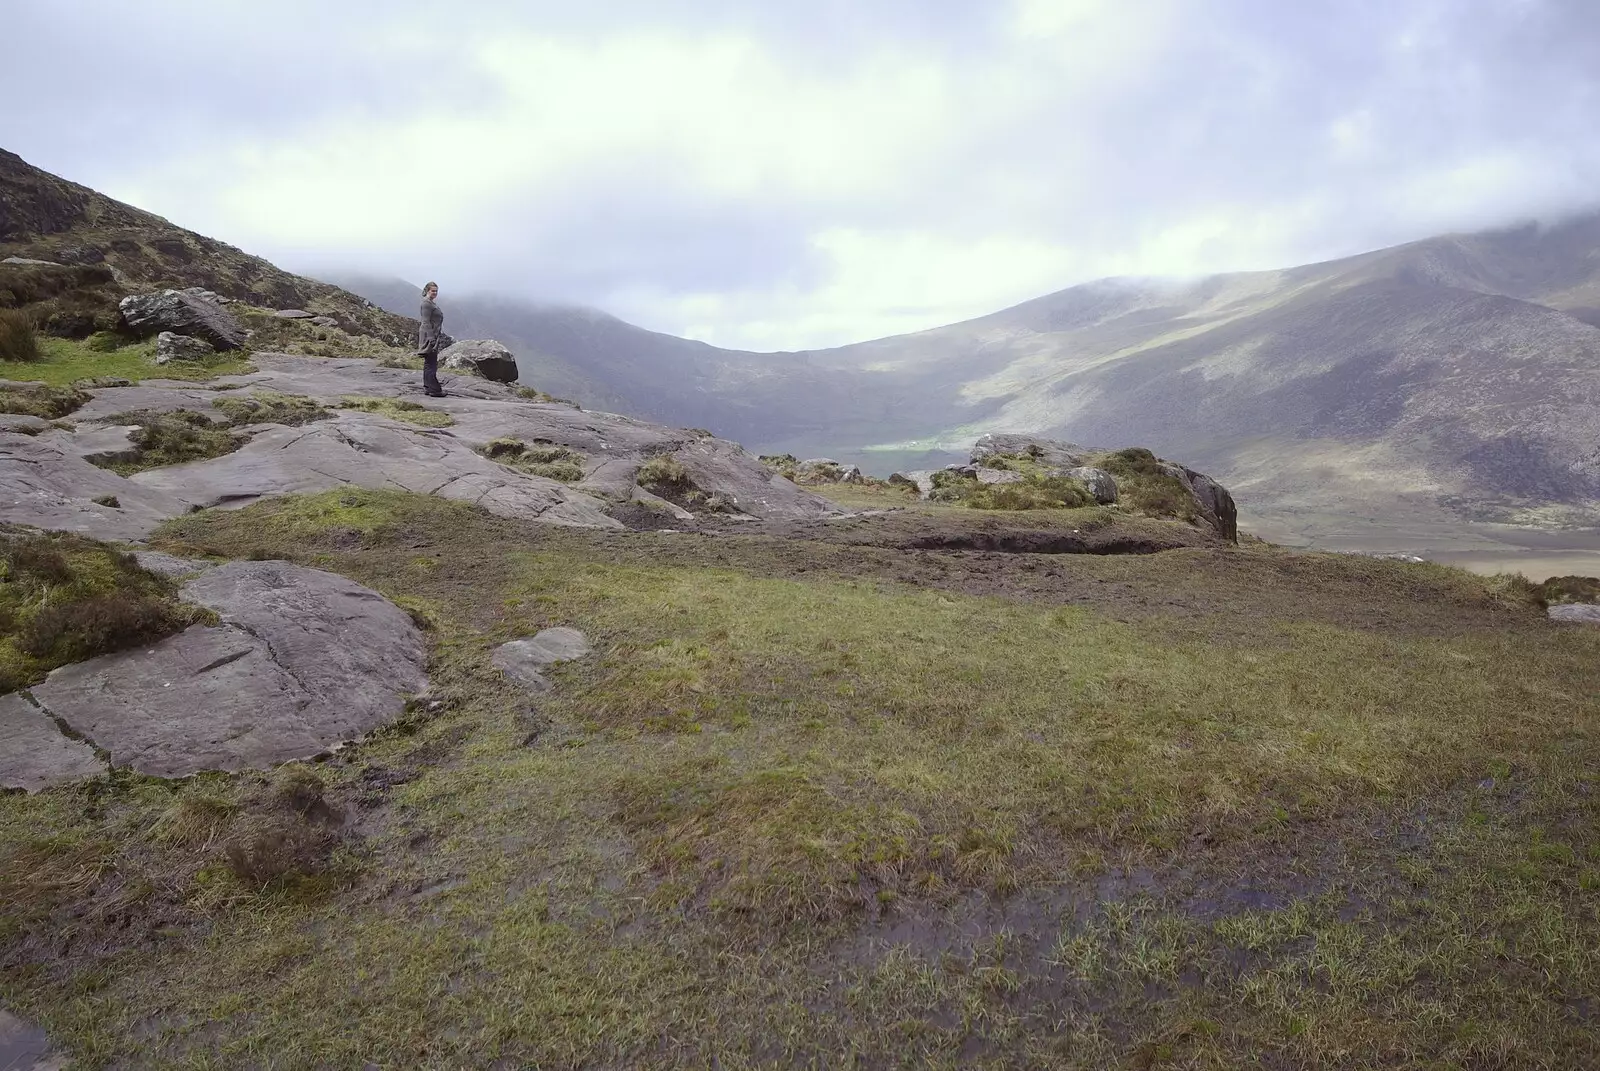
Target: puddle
(24, 1047)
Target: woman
(428, 339)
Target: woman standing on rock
(428, 339)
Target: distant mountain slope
(45, 217)
(1457, 377)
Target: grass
(784, 817)
(1143, 485)
(65, 598)
(537, 459)
(270, 407)
(399, 409)
(63, 362)
(41, 400)
(18, 342)
(170, 438)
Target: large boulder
(182, 313)
(825, 470)
(300, 662)
(1216, 504)
(171, 347)
(1101, 484)
(481, 356)
(1576, 613)
(1048, 452)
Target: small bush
(74, 631)
(1054, 492)
(167, 439)
(665, 471)
(266, 849)
(1566, 589)
(538, 459)
(18, 341)
(270, 407)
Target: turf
(66, 361)
(815, 803)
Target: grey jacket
(428, 331)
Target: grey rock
(992, 477)
(206, 295)
(24, 1047)
(484, 357)
(302, 662)
(294, 314)
(1049, 452)
(1216, 504)
(525, 660)
(171, 347)
(45, 483)
(1101, 484)
(324, 321)
(22, 424)
(27, 260)
(35, 754)
(921, 479)
(183, 314)
(171, 565)
(1578, 613)
(826, 470)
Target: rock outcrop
(45, 481)
(1101, 484)
(182, 313)
(481, 356)
(300, 662)
(1576, 613)
(35, 753)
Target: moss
(65, 598)
(270, 407)
(537, 459)
(402, 410)
(41, 400)
(162, 439)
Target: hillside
(1447, 381)
(47, 218)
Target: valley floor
(845, 794)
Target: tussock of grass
(400, 409)
(663, 473)
(1143, 485)
(170, 438)
(270, 407)
(65, 598)
(536, 459)
(40, 400)
(1038, 488)
(18, 342)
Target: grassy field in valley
(820, 801)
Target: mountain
(1448, 380)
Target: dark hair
(430, 286)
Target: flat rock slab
(35, 754)
(24, 1047)
(170, 564)
(302, 662)
(525, 660)
(1581, 613)
(46, 484)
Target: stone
(171, 347)
(294, 314)
(1101, 484)
(1217, 507)
(183, 314)
(302, 662)
(1048, 452)
(826, 470)
(921, 479)
(206, 295)
(34, 263)
(22, 424)
(324, 321)
(525, 660)
(1577, 613)
(25, 1047)
(993, 477)
(484, 357)
(45, 483)
(35, 754)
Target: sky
(789, 174)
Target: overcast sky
(774, 174)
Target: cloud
(790, 175)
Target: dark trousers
(430, 373)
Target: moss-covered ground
(106, 356)
(815, 803)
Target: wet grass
(787, 818)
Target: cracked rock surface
(525, 660)
(301, 662)
(45, 480)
